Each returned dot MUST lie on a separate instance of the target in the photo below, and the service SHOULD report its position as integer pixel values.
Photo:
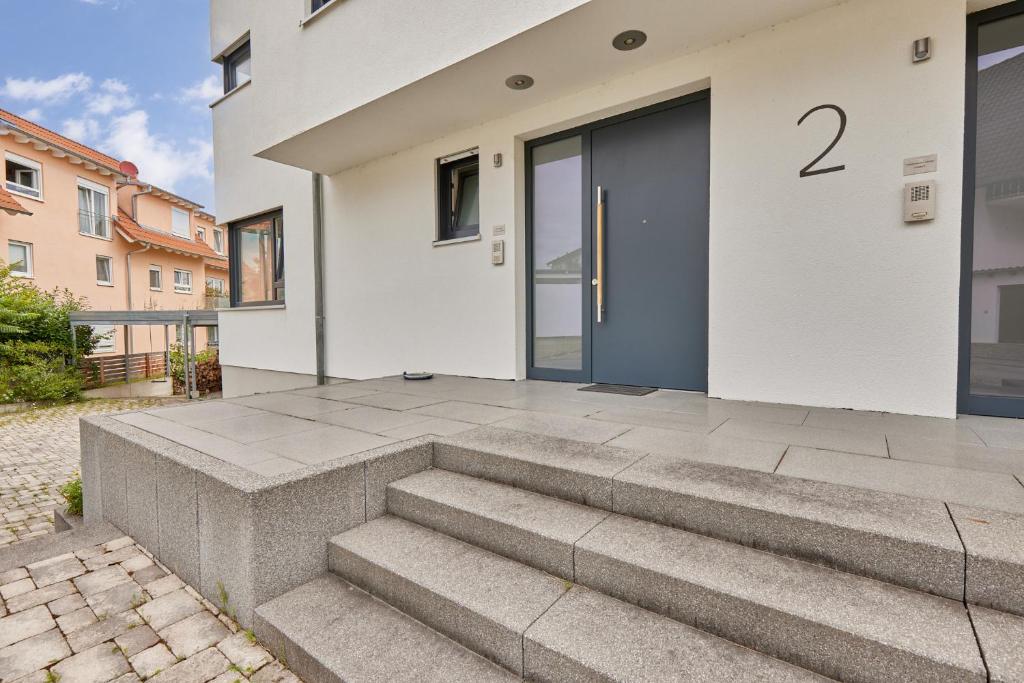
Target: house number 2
(809, 169)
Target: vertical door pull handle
(599, 280)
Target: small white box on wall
(919, 201)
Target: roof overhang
(565, 55)
(58, 151)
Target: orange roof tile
(133, 232)
(47, 135)
(11, 205)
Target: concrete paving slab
(66, 568)
(558, 406)
(565, 427)
(893, 424)
(40, 596)
(203, 411)
(907, 541)
(956, 454)
(204, 442)
(323, 444)
(536, 530)
(25, 624)
(101, 580)
(204, 666)
(394, 401)
(152, 660)
(475, 597)
(722, 450)
(719, 410)
(437, 426)
(337, 392)
(136, 640)
(983, 489)
(121, 597)
(252, 428)
(78, 619)
(16, 588)
(1002, 434)
(587, 636)
(292, 404)
(373, 420)
(103, 630)
(380, 643)
(467, 412)
(32, 654)
(661, 419)
(995, 557)
(194, 633)
(813, 437)
(69, 603)
(275, 466)
(169, 609)
(1000, 636)
(98, 664)
(574, 471)
(839, 625)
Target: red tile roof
(11, 205)
(133, 232)
(67, 144)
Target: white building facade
(697, 195)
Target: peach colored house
(69, 217)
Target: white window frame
(159, 278)
(175, 213)
(110, 270)
(108, 345)
(220, 288)
(213, 336)
(35, 166)
(182, 289)
(29, 272)
(98, 189)
(201, 234)
(218, 239)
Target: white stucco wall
(820, 294)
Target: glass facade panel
(256, 261)
(558, 255)
(997, 285)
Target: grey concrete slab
(719, 410)
(571, 470)
(661, 419)
(467, 412)
(113, 453)
(995, 556)
(722, 450)
(983, 489)
(200, 412)
(90, 436)
(389, 464)
(322, 444)
(528, 527)
(436, 425)
(32, 654)
(394, 401)
(953, 453)
(368, 419)
(588, 635)
(893, 424)
(558, 406)
(292, 404)
(219, 447)
(907, 541)
(337, 392)
(252, 428)
(330, 630)
(813, 437)
(475, 597)
(1003, 435)
(226, 540)
(141, 493)
(842, 626)
(565, 427)
(1000, 636)
(275, 466)
(177, 514)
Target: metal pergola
(188, 319)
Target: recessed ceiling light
(519, 82)
(629, 40)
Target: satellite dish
(129, 169)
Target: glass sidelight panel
(558, 255)
(997, 278)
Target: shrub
(72, 493)
(208, 372)
(40, 379)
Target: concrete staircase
(506, 560)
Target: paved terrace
(976, 461)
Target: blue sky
(132, 78)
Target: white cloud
(54, 90)
(205, 90)
(35, 115)
(83, 130)
(161, 161)
(113, 96)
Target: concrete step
(531, 528)
(329, 630)
(530, 622)
(837, 624)
(906, 541)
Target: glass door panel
(997, 267)
(557, 276)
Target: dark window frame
(317, 5)
(276, 218)
(446, 213)
(231, 61)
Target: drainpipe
(128, 345)
(318, 277)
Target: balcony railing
(95, 224)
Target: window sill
(179, 291)
(265, 307)
(320, 12)
(39, 199)
(104, 284)
(155, 289)
(96, 237)
(23, 276)
(456, 240)
(230, 93)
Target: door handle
(599, 280)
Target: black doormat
(620, 389)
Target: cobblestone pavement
(38, 453)
(112, 613)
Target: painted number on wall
(809, 169)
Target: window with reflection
(257, 260)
